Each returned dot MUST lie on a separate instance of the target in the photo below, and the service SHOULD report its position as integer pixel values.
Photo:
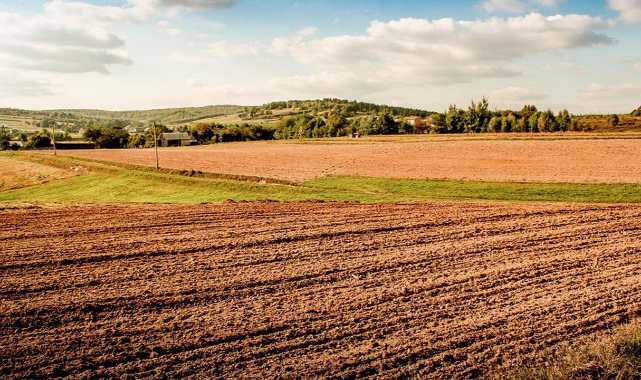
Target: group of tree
(206, 133)
(108, 138)
(636, 112)
(344, 108)
(479, 119)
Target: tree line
(476, 118)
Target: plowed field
(579, 161)
(289, 290)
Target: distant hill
(223, 114)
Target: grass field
(116, 182)
(25, 124)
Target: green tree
(477, 116)
(495, 124)
(454, 119)
(614, 120)
(203, 132)
(533, 122)
(5, 139)
(388, 126)
(439, 124)
(508, 123)
(337, 125)
(564, 120)
(38, 141)
(547, 122)
(108, 138)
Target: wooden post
(156, 146)
(53, 138)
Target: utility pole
(156, 146)
(53, 138)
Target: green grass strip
(503, 191)
(109, 182)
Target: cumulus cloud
(79, 12)
(138, 11)
(516, 94)
(72, 36)
(285, 43)
(45, 44)
(630, 10)
(446, 51)
(514, 6)
(600, 92)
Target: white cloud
(514, 6)
(139, 11)
(284, 44)
(46, 44)
(71, 36)
(602, 92)
(630, 10)
(516, 94)
(446, 51)
(79, 12)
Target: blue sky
(140, 54)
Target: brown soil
(548, 160)
(282, 290)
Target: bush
(38, 141)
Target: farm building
(176, 139)
(411, 120)
(72, 145)
(135, 130)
